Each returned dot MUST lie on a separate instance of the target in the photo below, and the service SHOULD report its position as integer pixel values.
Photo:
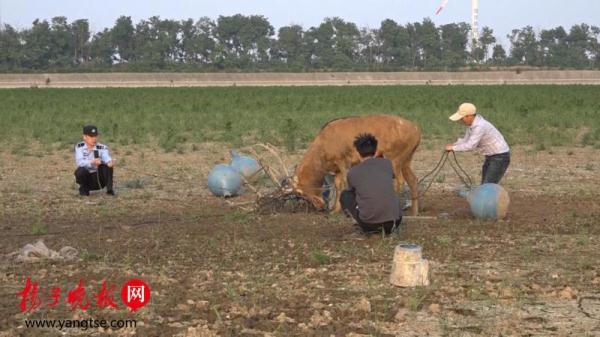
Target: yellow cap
(464, 109)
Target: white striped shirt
(483, 136)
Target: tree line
(250, 43)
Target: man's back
(373, 182)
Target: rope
(436, 170)
(457, 168)
(460, 172)
(98, 177)
(464, 177)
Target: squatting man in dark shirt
(94, 164)
(370, 198)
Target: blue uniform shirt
(84, 156)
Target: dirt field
(217, 269)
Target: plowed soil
(217, 268)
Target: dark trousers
(87, 181)
(494, 167)
(349, 206)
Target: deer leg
(317, 201)
(340, 184)
(398, 175)
(411, 179)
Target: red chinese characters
(55, 296)
(77, 297)
(29, 294)
(135, 294)
(105, 297)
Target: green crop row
(291, 116)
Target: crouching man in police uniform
(94, 164)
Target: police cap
(90, 130)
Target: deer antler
(268, 170)
(268, 153)
(273, 150)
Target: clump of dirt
(284, 203)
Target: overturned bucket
(409, 269)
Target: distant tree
(62, 43)
(258, 35)
(477, 53)
(233, 52)
(189, 50)
(334, 44)
(554, 48)
(245, 40)
(454, 44)
(81, 35)
(122, 38)
(486, 39)
(156, 42)
(414, 45)
(148, 49)
(395, 44)
(290, 47)
(579, 45)
(498, 55)
(197, 41)
(37, 43)
(524, 47)
(429, 43)
(205, 40)
(368, 48)
(248, 42)
(101, 49)
(595, 46)
(169, 36)
(10, 48)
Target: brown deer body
(332, 150)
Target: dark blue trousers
(349, 206)
(494, 167)
(94, 181)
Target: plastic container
(488, 201)
(224, 181)
(248, 167)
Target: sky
(501, 15)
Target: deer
(332, 151)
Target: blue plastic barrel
(488, 201)
(224, 181)
(248, 167)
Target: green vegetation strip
(291, 116)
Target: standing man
(94, 164)
(370, 198)
(483, 136)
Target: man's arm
(465, 137)
(80, 161)
(105, 156)
(349, 180)
(470, 141)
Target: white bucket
(409, 269)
